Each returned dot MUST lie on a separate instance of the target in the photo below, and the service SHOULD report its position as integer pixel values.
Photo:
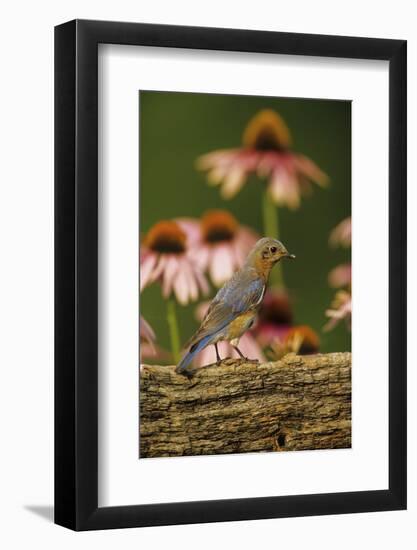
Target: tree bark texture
(297, 403)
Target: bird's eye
(273, 249)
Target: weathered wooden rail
(298, 403)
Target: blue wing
(242, 293)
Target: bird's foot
(187, 373)
(228, 361)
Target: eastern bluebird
(234, 308)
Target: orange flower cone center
(310, 342)
(218, 226)
(166, 237)
(267, 131)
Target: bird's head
(266, 253)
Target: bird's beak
(291, 256)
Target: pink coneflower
(266, 151)
(247, 345)
(275, 317)
(340, 276)
(341, 235)
(219, 243)
(165, 258)
(341, 309)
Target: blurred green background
(176, 128)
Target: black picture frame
(76, 272)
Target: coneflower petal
(191, 228)
(221, 269)
(233, 182)
(284, 188)
(219, 158)
(192, 283)
(216, 175)
(308, 168)
(169, 274)
(200, 256)
(146, 267)
(159, 268)
(239, 251)
(202, 281)
(340, 276)
(341, 235)
(181, 287)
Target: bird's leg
(243, 357)
(240, 353)
(218, 358)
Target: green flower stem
(174, 332)
(271, 229)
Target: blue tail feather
(189, 356)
